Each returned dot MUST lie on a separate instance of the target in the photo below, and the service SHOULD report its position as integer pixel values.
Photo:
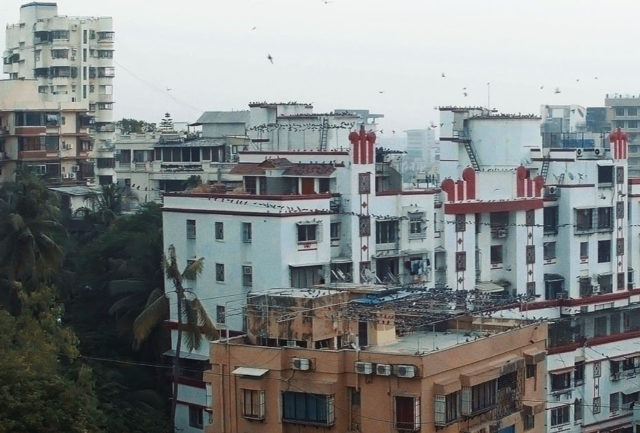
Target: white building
(72, 60)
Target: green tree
(30, 237)
(105, 205)
(43, 386)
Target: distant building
(71, 59)
(623, 111)
(597, 120)
(51, 138)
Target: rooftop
(297, 293)
(223, 117)
(427, 341)
(273, 104)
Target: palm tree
(197, 322)
(30, 234)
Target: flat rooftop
(427, 341)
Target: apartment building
(71, 58)
(53, 139)
(468, 374)
(623, 111)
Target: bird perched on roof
(270, 58)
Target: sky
(387, 56)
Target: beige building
(71, 59)
(461, 374)
(50, 137)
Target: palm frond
(149, 318)
(122, 303)
(193, 269)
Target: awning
(187, 355)
(534, 356)
(562, 370)
(250, 371)
(631, 388)
(618, 358)
(489, 287)
(446, 386)
(553, 277)
(609, 426)
(533, 408)
(341, 260)
(605, 162)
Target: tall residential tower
(71, 58)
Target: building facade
(71, 59)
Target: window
(619, 111)
(600, 327)
(584, 219)
(585, 287)
(407, 413)
(529, 421)
(550, 218)
(560, 415)
(307, 232)
(253, 403)
(195, 416)
(604, 217)
(247, 276)
(307, 408)
(220, 314)
(60, 34)
(632, 124)
(578, 373)
(606, 283)
(416, 229)
(219, 272)
(560, 381)
(219, 227)
(632, 111)
(531, 370)
(604, 251)
(584, 251)
(386, 231)
(549, 250)
(246, 233)
(483, 396)
(335, 231)
(577, 409)
(84, 37)
(84, 54)
(605, 174)
(452, 406)
(496, 254)
(191, 229)
(105, 54)
(60, 54)
(627, 399)
(614, 402)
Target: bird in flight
(270, 58)
(380, 91)
(169, 89)
(465, 93)
(253, 28)
(541, 87)
(443, 75)
(557, 90)
(595, 78)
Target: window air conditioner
(364, 367)
(383, 370)
(405, 370)
(301, 364)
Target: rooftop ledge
(237, 196)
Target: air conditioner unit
(75, 168)
(364, 367)
(579, 153)
(291, 343)
(247, 270)
(383, 370)
(405, 370)
(551, 191)
(302, 364)
(501, 233)
(598, 152)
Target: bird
(577, 80)
(557, 90)
(464, 93)
(541, 87)
(381, 91)
(595, 78)
(270, 58)
(443, 75)
(169, 89)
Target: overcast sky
(343, 53)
